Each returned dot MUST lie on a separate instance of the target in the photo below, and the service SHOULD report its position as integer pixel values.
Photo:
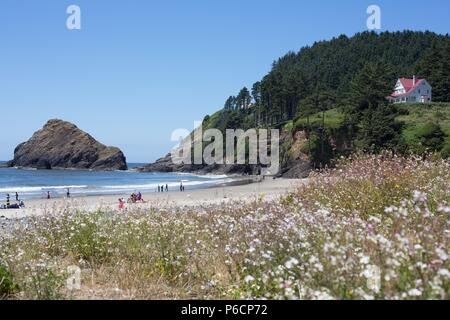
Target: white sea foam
(37, 189)
(205, 176)
(98, 183)
(152, 186)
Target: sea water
(34, 184)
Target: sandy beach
(268, 189)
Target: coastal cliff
(294, 162)
(62, 145)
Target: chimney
(414, 80)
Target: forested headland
(330, 100)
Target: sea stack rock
(61, 145)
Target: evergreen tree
(321, 150)
(371, 119)
(431, 138)
(243, 99)
(256, 92)
(435, 68)
(370, 87)
(378, 130)
(229, 103)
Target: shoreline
(240, 189)
(110, 183)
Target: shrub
(431, 137)
(7, 285)
(44, 283)
(445, 152)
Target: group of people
(49, 196)
(137, 197)
(17, 205)
(134, 198)
(166, 188)
(161, 188)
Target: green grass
(421, 114)
(414, 116)
(289, 126)
(333, 119)
(212, 120)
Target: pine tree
(435, 68)
(378, 130)
(371, 119)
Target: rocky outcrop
(166, 164)
(61, 145)
(295, 163)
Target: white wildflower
(291, 263)
(442, 254)
(365, 260)
(414, 293)
(444, 273)
(373, 275)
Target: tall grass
(376, 227)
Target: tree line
(319, 77)
(353, 74)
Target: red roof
(409, 86)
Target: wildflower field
(374, 227)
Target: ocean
(34, 184)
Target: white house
(411, 91)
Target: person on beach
(181, 186)
(139, 198)
(121, 203)
(17, 197)
(167, 188)
(8, 203)
(68, 193)
(48, 195)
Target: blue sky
(137, 70)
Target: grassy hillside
(416, 118)
(332, 118)
(419, 115)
